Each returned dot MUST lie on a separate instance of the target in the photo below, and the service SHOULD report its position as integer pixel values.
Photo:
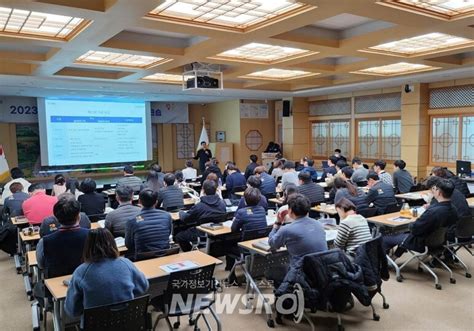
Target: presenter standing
(204, 154)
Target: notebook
(399, 219)
(120, 241)
(262, 244)
(212, 226)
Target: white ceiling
(342, 22)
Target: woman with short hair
(104, 278)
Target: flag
(4, 170)
(203, 136)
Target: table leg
(56, 315)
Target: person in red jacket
(39, 205)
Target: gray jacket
(117, 219)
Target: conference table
(413, 196)
(150, 268)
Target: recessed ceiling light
(279, 74)
(236, 15)
(400, 68)
(442, 9)
(166, 78)
(35, 25)
(262, 54)
(421, 45)
(120, 60)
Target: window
(452, 138)
(379, 139)
(329, 135)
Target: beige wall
(8, 141)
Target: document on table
(331, 235)
(101, 223)
(399, 219)
(179, 266)
(120, 241)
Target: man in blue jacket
(151, 229)
(211, 207)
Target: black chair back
(416, 188)
(173, 209)
(367, 212)
(154, 254)
(194, 281)
(465, 227)
(236, 189)
(129, 315)
(362, 183)
(437, 238)
(393, 208)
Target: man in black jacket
(204, 154)
(251, 167)
(442, 214)
(210, 207)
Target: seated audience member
(39, 205)
(170, 196)
(234, 179)
(331, 169)
(313, 191)
(212, 176)
(211, 167)
(380, 193)
(252, 217)
(155, 178)
(268, 186)
(13, 205)
(302, 236)
(402, 179)
(254, 182)
(441, 214)
(277, 171)
(72, 186)
(189, 172)
(379, 168)
(151, 229)
(347, 190)
(179, 179)
(290, 176)
(282, 213)
(92, 203)
(458, 201)
(104, 278)
(251, 167)
(360, 172)
(59, 186)
(116, 220)
(308, 167)
(459, 184)
(353, 229)
(211, 206)
(129, 179)
(226, 173)
(17, 176)
(339, 156)
(60, 252)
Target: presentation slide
(80, 132)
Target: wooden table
(151, 269)
(28, 239)
(387, 220)
(412, 195)
(328, 209)
(19, 220)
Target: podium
(267, 159)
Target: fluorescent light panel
(262, 53)
(234, 14)
(279, 74)
(120, 60)
(30, 24)
(400, 68)
(166, 78)
(424, 44)
(444, 9)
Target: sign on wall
(18, 110)
(253, 110)
(171, 112)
